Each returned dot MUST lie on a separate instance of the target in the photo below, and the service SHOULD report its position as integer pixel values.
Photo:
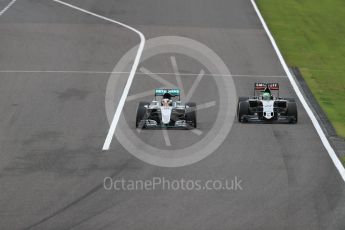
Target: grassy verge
(342, 159)
(311, 36)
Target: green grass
(311, 36)
(342, 159)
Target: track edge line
(122, 101)
(311, 115)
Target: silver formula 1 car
(266, 107)
(166, 112)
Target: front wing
(278, 119)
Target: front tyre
(191, 114)
(292, 112)
(141, 114)
(242, 110)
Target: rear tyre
(141, 113)
(243, 109)
(292, 112)
(191, 115)
(240, 99)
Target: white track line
(195, 85)
(139, 73)
(177, 75)
(313, 119)
(157, 77)
(63, 71)
(122, 101)
(7, 7)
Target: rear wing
(263, 86)
(172, 92)
(258, 86)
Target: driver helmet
(266, 96)
(167, 96)
(166, 101)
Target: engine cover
(267, 109)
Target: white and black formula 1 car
(166, 112)
(266, 107)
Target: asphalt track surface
(53, 125)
